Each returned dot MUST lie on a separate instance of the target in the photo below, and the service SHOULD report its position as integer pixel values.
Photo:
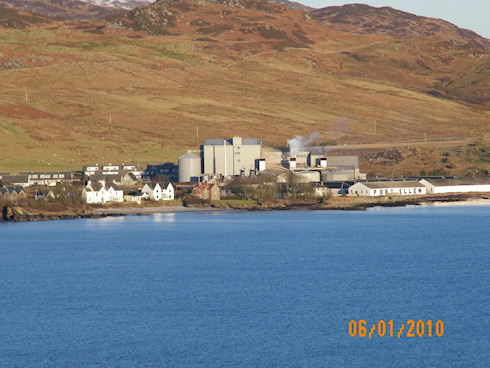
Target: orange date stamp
(410, 328)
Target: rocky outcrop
(12, 213)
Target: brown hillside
(429, 54)
(365, 19)
(10, 18)
(88, 92)
(266, 24)
(293, 4)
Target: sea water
(248, 289)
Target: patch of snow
(121, 4)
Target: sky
(467, 14)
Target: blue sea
(248, 289)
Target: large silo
(189, 168)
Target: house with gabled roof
(168, 193)
(210, 192)
(102, 192)
(152, 191)
(4, 193)
(155, 192)
(15, 193)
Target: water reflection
(163, 217)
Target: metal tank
(189, 168)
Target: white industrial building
(234, 156)
(381, 188)
(436, 186)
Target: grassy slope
(118, 97)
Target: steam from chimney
(299, 143)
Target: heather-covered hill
(429, 54)
(365, 19)
(258, 21)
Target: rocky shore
(15, 213)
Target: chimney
(323, 162)
(261, 164)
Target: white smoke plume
(299, 143)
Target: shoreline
(20, 214)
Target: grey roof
(218, 142)
(452, 182)
(392, 184)
(131, 176)
(114, 185)
(316, 150)
(15, 179)
(50, 173)
(189, 155)
(343, 161)
(19, 189)
(229, 142)
(251, 141)
(152, 185)
(11, 189)
(107, 178)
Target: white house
(381, 188)
(152, 191)
(102, 192)
(155, 192)
(435, 186)
(168, 193)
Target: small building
(15, 180)
(110, 170)
(44, 194)
(436, 186)
(152, 191)
(129, 180)
(135, 196)
(382, 188)
(13, 193)
(210, 192)
(168, 193)
(124, 179)
(343, 168)
(49, 178)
